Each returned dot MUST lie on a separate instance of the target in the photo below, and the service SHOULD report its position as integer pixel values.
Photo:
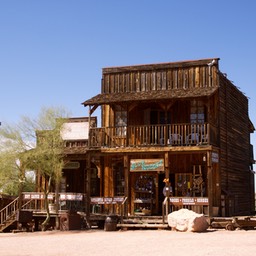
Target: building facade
(182, 124)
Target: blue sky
(52, 51)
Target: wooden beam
(93, 109)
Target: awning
(110, 98)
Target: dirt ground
(129, 243)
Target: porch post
(88, 188)
(89, 126)
(167, 177)
(210, 185)
(126, 183)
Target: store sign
(147, 165)
(72, 165)
(75, 131)
(107, 200)
(189, 201)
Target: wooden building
(183, 123)
(180, 124)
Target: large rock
(187, 220)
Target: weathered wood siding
(180, 76)
(235, 147)
(119, 80)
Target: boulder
(187, 220)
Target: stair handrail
(165, 209)
(9, 210)
(12, 208)
(123, 212)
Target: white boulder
(187, 220)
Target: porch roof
(110, 98)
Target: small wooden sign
(189, 201)
(107, 200)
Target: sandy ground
(129, 243)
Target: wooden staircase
(143, 222)
(8, 214)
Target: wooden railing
(9, 211)
(196, 204)
(67, 201)
(151, 135)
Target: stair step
(144, 225)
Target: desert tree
(36, 144)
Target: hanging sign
(147, 165)
(72, 165)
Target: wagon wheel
(230, 227)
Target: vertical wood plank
(169, 79)
(153, 81)
(197, 77)
(126, 181)
(175, 79)
(159, 80)
(147, 82)
(143, 81)
(164, 78)
(191, 78)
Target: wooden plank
(197, 77)
(147, 225)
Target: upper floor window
(197, 115)
(120, 121)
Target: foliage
(32, 144)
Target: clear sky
(52, 51)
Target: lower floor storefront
(146, 180)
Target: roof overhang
(115, 98)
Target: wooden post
(88, 189)
(89, 124)
(21, 185)
(167, 177)
(210, 183)
(126, 183)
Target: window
(120, 121)
(197, 112)
(118, 179)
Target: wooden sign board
(179, 201)
(107, 200)
(147, 165)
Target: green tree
(35, 144)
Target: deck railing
(67, 201)
(151, 135)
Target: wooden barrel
(110, 223)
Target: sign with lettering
(107, 200)
(147, 165)
(189, 201)
(72, 165)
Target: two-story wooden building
(183, 123)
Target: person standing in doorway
(167, 190)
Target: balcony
(152, 135)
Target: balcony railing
(151, 135)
